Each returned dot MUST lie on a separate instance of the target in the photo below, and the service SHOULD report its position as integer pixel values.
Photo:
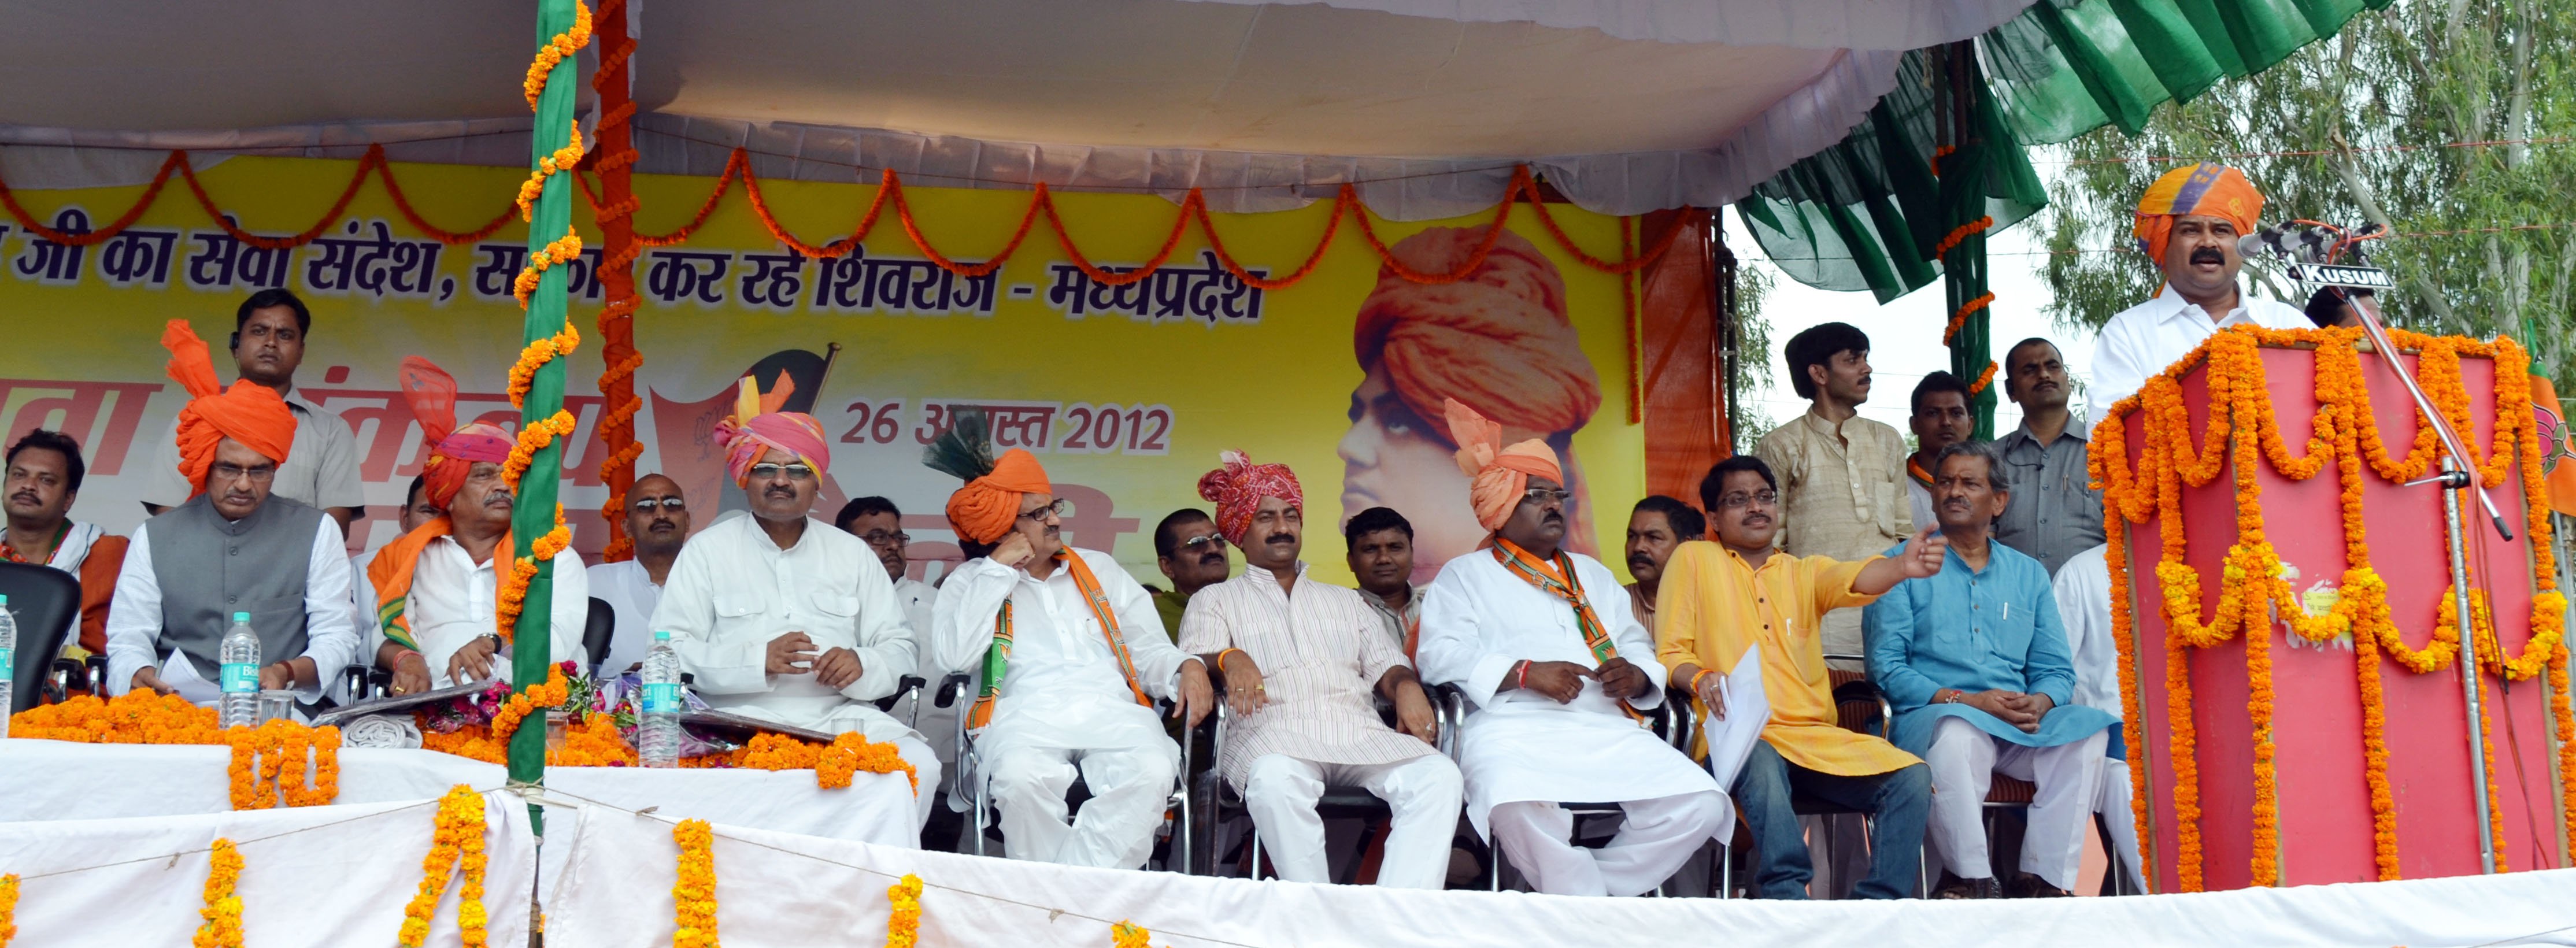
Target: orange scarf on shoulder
(391, 572)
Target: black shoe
(1953, 887)
(2031, 886)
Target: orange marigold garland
(903, 924)
(223, 925)
(457, 837)
(9, 909)
(261, 756)
(1127, 934)
(258, 769)
(693, 897)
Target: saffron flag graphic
(2557, 447)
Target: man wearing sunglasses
(232, 547)
(1191, 554)
(657, 520)
(780, 616)
(1536, 636)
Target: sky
(1905, 334)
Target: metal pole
(2454, 481)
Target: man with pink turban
(2188, 224)
(1308, 722)
(434, 617)
(1498, 342)
(1065, 656)
(781, 617)
(1557, 684)
(233, 550)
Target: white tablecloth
(57, 780)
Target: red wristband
(1522, 681)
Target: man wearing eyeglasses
(1191, 553)
(781, 617)
(1718, 599)
(657, 520)
(1068, 657)
(1536, 637)
(230, 547)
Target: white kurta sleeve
(2083, 590)
(885, 647)
(134, 616)
(1454, 649)
(2119, 369)
(1158, 661)
(688, 610)
(1633, 641)
(330, 632)
(962, 620)
(1204, 630)
(570, 615)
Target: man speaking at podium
(2188, 222)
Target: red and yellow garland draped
(2241, 429)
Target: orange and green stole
(997, 658)
(1556, 578)
(391, 571)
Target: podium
(2256, 747)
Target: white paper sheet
(1730, 741)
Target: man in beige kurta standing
(1300, 659)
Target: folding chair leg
(1255, 874)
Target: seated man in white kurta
(782, 618)
(1068, 654)
(1300, 659)
(436, 586)
(1557, 681)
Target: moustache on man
(23, 497)
(1640, 561)
(2208, 255)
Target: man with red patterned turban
(1308, 722)
(809, 633)
(2188, 224)
(435, 619)
(1065, 656)
(1499, 342)
(1558, 675)
(232, 550)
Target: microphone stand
(2455, 480)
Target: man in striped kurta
(1300, 659)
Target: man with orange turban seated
(230, 551)
(1301, 660)
(780, 616)
(1067, 655)
(2188, 223)
(437, 587)
(1557, 674)
(1498, 342)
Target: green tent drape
(1861, 215)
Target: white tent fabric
(1625, 105)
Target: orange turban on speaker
(2213, 190)
(249, 412)
(453, 449)
(984, 509)
(1498, 341)
(1501, 472)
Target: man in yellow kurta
(1718, 599)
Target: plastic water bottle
(8, 664)
(239, 655)
(657, 726)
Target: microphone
(2267, 238)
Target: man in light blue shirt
(1976, 664)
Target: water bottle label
(241, 678)
(662, 698)
(8, 666)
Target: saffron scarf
(391, 573)
(1556, 578)
(997, 658)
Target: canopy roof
(1626, 105)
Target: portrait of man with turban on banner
(1498, 341)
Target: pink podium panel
(2321, 797)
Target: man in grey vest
(231, 548)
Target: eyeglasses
(1541, 495)
(1057, 509)
(672, 504)
(1740, 499)
(235, 472)
(1193, 544)
(882, 538)
(794, 472)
